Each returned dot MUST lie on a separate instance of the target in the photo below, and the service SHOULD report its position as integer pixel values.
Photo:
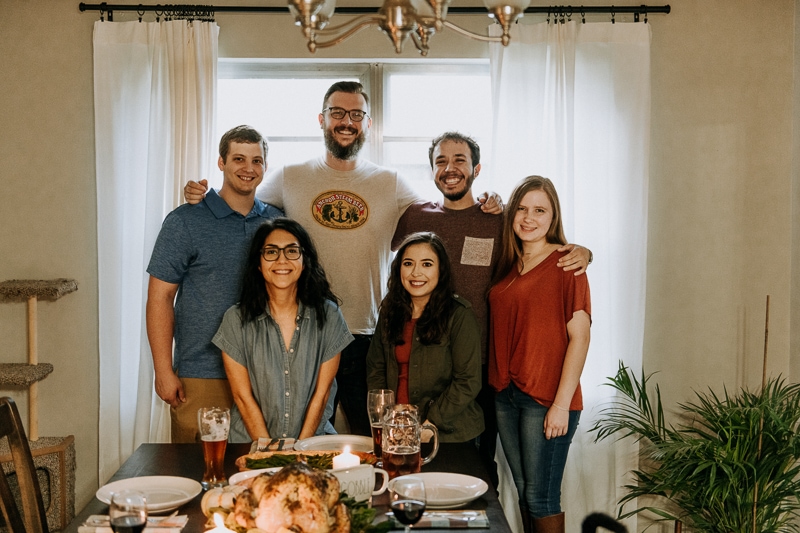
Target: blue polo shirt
(203, 249)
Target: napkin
(98, 523)
(447, 520)
(264, 444)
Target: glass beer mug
(401, 441)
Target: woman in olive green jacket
(427, 345)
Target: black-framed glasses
(356, 115)
(272, 253)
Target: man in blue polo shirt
(199, 256)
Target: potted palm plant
(729, 464)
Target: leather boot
(526, 519)
(548, 524)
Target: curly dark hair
(454, 136)
(313, 288)
(395, 310)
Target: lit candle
(219, 522)
(346, 459)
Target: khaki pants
(199, 393)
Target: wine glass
(408, 500)
(128, 511)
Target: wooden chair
(33, 518)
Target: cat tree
(53, 457)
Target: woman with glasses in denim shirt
(281, 343)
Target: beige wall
(48, 213)
(720, 234)
(721, 190)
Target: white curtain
(154, 94)
(572, 103)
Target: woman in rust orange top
(540, 318)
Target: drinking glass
(377, 402)
(127, 511)
(214, 424)
(401, 441)
(408, 500)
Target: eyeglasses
(272, 253)
(356, 115)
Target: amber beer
(214, 424)
(214, 455)
(377, 430)
(400, 462)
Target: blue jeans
(537, 464)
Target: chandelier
(398, 19)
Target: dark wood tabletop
(186, 460)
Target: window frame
(372, 74)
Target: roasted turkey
(297, 498)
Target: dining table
(186, 460)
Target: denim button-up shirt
(283, 378)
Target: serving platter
(239, 477)
(357, 443)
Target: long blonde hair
(511, 247)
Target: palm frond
(727, 449)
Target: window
(410, 104)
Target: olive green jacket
(443, 378)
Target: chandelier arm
(467, 33)
(421, 48)
(358, 22)
(347, 34)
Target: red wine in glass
(127, 511)
(128, 524)
(408, 500)
(408, 512)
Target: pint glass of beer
(377, 402)
(214, 424)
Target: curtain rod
(551, 10)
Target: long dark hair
(511, 247)
(313, 288)
(395, 309)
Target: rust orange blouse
(528, 330)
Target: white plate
(357, 443)
(238, 477)
(163, 493)
(448, 491)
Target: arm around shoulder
(579, 258)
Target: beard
(455, 196)
(339, 151)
